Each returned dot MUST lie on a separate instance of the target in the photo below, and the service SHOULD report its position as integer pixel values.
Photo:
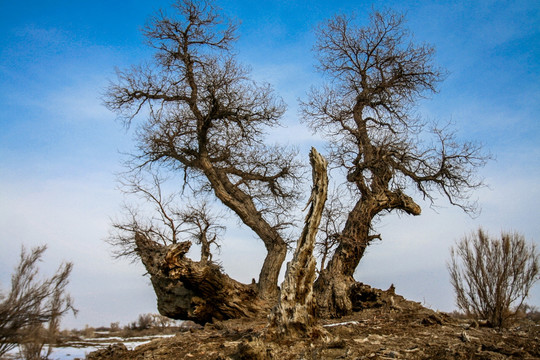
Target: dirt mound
(390, 328)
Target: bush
(492, 277)
(115, 326)
(88, 331)
(32, 303)
(145, 321)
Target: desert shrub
(458, 315)
(162, 322)
(88, 331)
(115, 326)
(33, 343)
(31, 304)
(145, 321)
(529, 312)
(492, 276)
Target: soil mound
(386, 326)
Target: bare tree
(167, 222)
(207, 119)
(145, 321)
(161, 240)
(31, 303)
(376, 75)
(163, 226)
(162, 322)
(492, 276)
(201, 225)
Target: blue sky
(60, 148)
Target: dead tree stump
(294, 313)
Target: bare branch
(492, 277)
(376, 74)
(208, 119)
(32, 302)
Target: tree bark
(243, 205)
(335, 285)
(294, 314)
(197, 291)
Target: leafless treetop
(376, 75)
(204, 111)
(206, 118)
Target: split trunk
(294, 314)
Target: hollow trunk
(294, 314)
(197, 291)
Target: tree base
(197, 291)
(336, 299)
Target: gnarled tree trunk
(201, 292)
(197, 291)
(335, 285)
(243, 205)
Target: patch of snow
(79, 349)
(342, 324)
(105, 339)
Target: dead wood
(404, 330)
(294, 314)
(192, 290)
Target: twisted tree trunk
(243, 205)
(335, 287)
(201, 292)
(197, 291)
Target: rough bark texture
(294, 314)
(242, 204)
(335, 285)
(197, 291)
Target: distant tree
(492, 276)
(145, 321)
(161, 321)
(376, 75)
(30, 312)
